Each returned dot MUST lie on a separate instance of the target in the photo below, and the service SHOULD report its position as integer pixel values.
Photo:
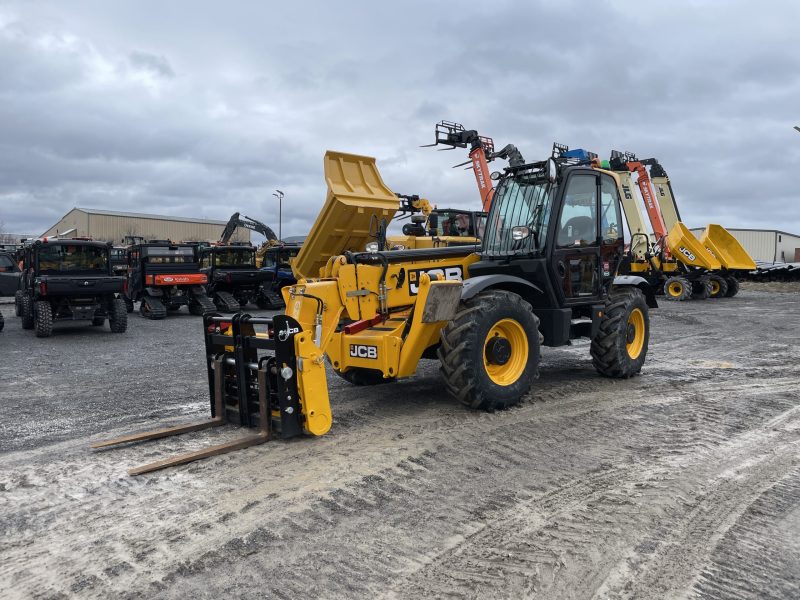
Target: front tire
(677, 289)
(490, 351)
(43, 314)
(620, 346)
(719, 286)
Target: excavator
(235, 221)
(273, 256)
(733, 258)
(546, 274)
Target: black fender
(638, 282)
(474, 285)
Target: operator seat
(577, 230)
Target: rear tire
(18, 303)
(43, 314)
(733, 286)
(26, 305)
(719, 286)
(677, 289)
(118, 316)
(620, 346)
(701, 288)
(490, 350)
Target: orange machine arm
(649, 197)
(480, 166)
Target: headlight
(372, 247)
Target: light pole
(279, 195)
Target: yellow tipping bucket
(686, 249)
(356, 197)
(726, 248)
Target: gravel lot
(681, 483)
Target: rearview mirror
(552, 170)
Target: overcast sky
(204, 108)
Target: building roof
(115, 213)
(745, 229)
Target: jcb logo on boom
(363, 351)
(687, 253)
(448, 273)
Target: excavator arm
(246, 223)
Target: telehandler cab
(546, 274)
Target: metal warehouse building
(766, 245)
(112, 226)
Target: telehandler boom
(546, 274)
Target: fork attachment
(252, 380)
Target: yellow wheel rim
(635, 333)
(505, 352)
(714, 286)
(675, 289)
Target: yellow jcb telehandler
(546, 274)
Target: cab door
(612, 242)
(576, 258)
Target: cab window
(610, 213)
(578, 223)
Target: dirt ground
(681, 483)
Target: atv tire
(733, 286)
(26, 305)
(677, 289)
(620, 346)
(719, 286)
(43, 314)
(118, 316)
(128, 304)
(701, 288)
(18, 303)
(489, 352)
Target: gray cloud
(205, 109)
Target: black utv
(69, 280)
(163, 276)
(233, 279)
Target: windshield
(279, 258)
(518, 204)
(234, 258)
(454, 223)
(56, 258)
(167, 255)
